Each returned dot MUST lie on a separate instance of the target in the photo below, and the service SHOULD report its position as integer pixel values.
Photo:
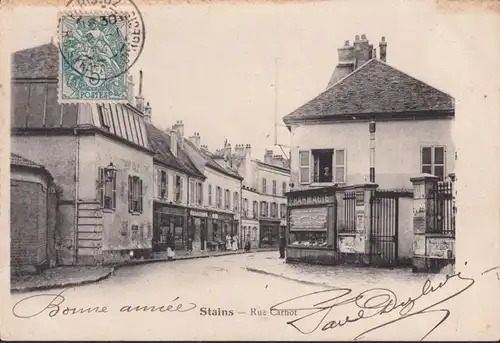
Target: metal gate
(384, 228)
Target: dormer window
(104, 117)
(173, 143)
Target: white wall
(398, 146)
(224, 181)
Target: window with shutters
(162, 184)
(328, 166)
(106, 190)
(284, 188)
(245, 207)
(433, 161)
(264, 210)
(192, 192)
(283, 210)
(218, 196)
(227, 199)
(209, 195)
(179, 185)
(255, 209)
(199, 193)
(304, 167)
(274, 187)
(264, 185)
(236, 201)
(274, 210)
(135, 194)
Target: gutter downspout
(77, 179)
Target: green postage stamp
(93, 53)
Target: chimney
(239, 150)
(268, 156)
(362, 51)
(130, 85)
(346, 53)
(383, 50)
(278, 160)
(248, 151)
(227, 150)
(139, 99)
(179, 127)
(195, 139)
(147, 113)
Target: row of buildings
(100, 183)
(369, 179)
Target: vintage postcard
(250, 170)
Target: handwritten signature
(370, 303)
(29, 307)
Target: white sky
(213, 66)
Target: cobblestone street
(246, 285)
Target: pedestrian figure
(247, 246)
(282, 246)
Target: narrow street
(214, 285)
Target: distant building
(175, 179)
(264, 202)
(98, 155)
(215, 205)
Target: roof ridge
(414, 78)
(345, 77)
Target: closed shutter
(113, 198)
(130, 193)
(100, 186)
(140, 196)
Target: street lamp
(110, 172)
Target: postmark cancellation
(94, 56)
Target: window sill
(323, 184)
(107, 210)
(135, 213)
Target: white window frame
(264, 185)
(335, 166)
(275, 187)
(433, 164)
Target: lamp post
(110, 172)
(372, 129)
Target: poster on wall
(308, 218)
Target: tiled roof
(40, 62)
(375, 88)
(19, 161)
(160, 144)
(212, 163)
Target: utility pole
(372, 129)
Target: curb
(264, 272)
(181, 258)
(62, 285)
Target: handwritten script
(52, 304)
(321, 306)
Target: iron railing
(442, 209)
(347, 212)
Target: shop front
(269, 233)
(311, 235)
(222, 231)
(169, 228)
(198, 229)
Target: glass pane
(439, 172)
(339, 157)
(53, 112)
(427, 169)
(19, 104)
(304, 174)
(339, 174)
(426, 155)
(37, 104)
(439, 155)
(304, 158)
(70, 114)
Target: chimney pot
(356, 37)
(383, 50)
(346, 43)
(363, 36)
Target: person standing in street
(282, 246)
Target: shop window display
(308, 238)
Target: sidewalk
(187, 255)
(60, 277)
